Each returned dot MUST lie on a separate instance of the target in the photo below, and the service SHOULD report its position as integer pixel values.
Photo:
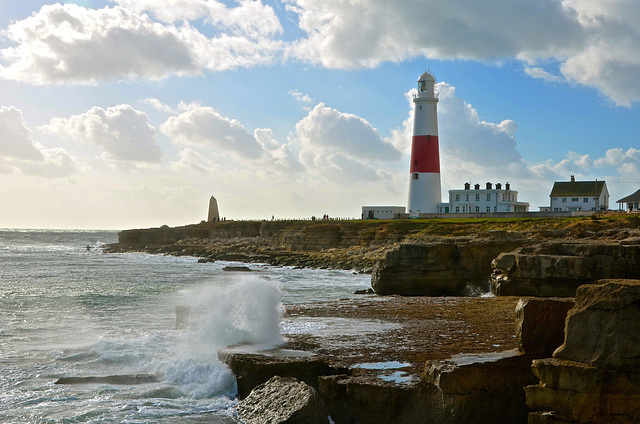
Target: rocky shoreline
(442, 359)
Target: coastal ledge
(366, 357)
(376, 375)
(362, 244)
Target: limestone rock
(447, 266)
(603, 329)
(540, 325)
(481, 388)
(253, 369)
(283, 400)
(580, 393)
(559, 267)
(464, 373)
(594, 376)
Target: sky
(131, 113)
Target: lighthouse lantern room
(424, 183)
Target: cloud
(68, 43)
(366, 33)
(58, 163)
(19, 152)
(301, 97)
(466, 138)
(627, 162)
(71, 44)
(158, 105)
(595, 42)
(204, 127)
(329, 130)
(540, 73)
(121, 131)
(16, 139)
(250, 18)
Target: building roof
(632, 198)
(577, 188)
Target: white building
(579, 196)
(487, 200)
(382, 212)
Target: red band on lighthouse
(425, 154)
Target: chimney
(498, 186)
(573, 179)
(507, 186)
(489, 185)
(467, 186)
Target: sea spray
(239, 312)
(232, 313)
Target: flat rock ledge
(399, 360)
(471, 360)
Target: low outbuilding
(632, 201)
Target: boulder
(240, 268)
(283, 400)
(540, 325)
(557, 268)
(603, 329)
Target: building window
(467, 196)
(495, 209)
(457, 197)
(457, 208)
(488, 208)
(415, 176)
(574, 199)
(477, 197)
(477, 208)
(564, 200)
(488, 196)
(585, 200)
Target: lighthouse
(424, 171)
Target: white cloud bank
(594, 42)
(120, 131)
(71, 44)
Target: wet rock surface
(366, 357)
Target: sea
(70, 309)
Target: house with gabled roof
(632, 201)
(579, 196)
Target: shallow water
(67, 311)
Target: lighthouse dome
(427, 76)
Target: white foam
(246, 311)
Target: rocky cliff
(559, 267)
(542, 257)
(444, 266)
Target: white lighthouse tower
(424, 183)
